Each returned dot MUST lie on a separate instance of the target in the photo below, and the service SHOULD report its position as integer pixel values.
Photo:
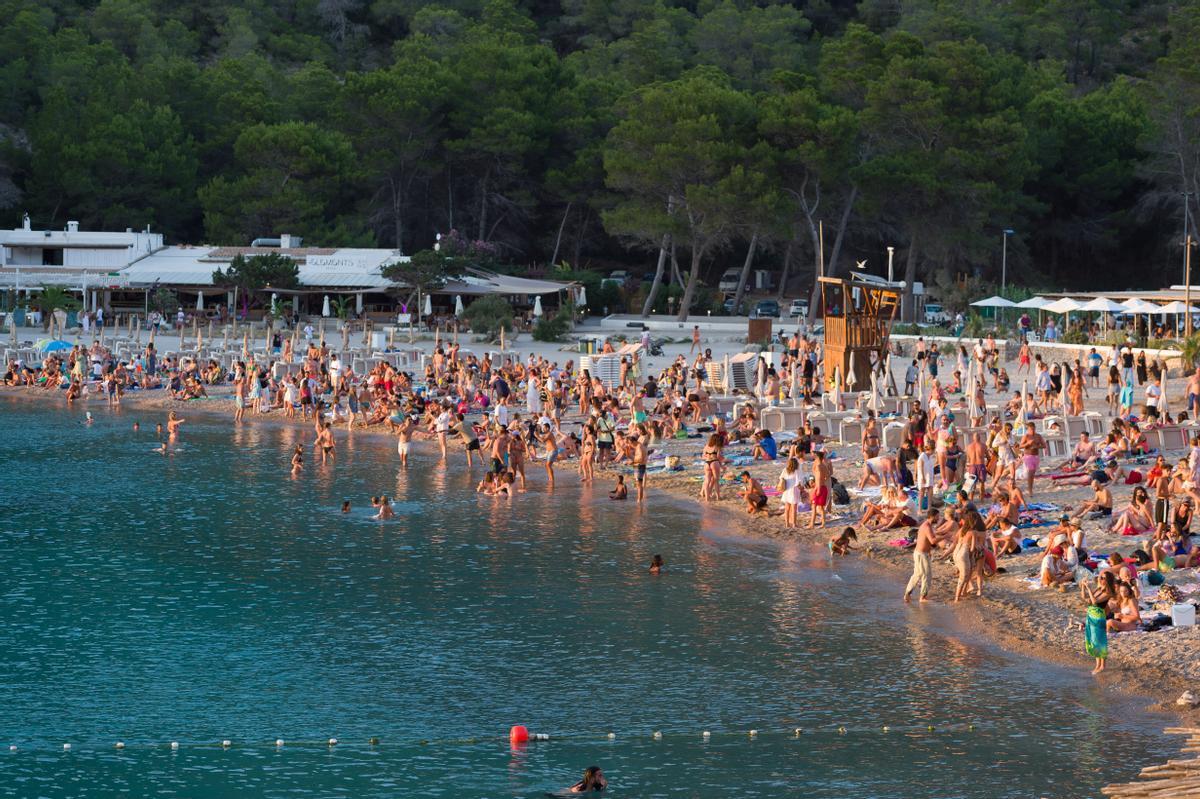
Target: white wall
(96, 258)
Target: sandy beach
(1013, 611)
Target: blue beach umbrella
(54, 346)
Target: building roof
(90, 239)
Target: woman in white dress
(790, 483)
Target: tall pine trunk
(910, 274)
(658, 276)
(741, 287)
(693, 278)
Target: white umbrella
(1177, 307)
(325, 306)
(458, 305)
(1036, 303)
(875, 402)
(851, 378)
(200, 301)
(837, 388)
(994, 302)
(537, 306)
(358, 303)
(1103, 305)
(760, 377)
(1138, 305)
(428, 310)
(582, 295)
(1162, 398)
(274, 302)
(887, 373)
(1064, 305)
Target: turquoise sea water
(210, 596)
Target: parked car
(936, 314)
(798, 308)
(729, 280)
(621, 277)
(729, 310)
(766, 309)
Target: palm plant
(54, 297)
(1189, 351)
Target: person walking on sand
(695, 340)
(239, 397)
(922, 558)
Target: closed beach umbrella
(274, 303)
(793, 386)
(358, 303)
(345, 337)
(837, 388)
(582, 295)
(325, 306)
(875, 404)
(537, 306)
(199, 300)
(458, 305)
(428, 306)
(1024, 400)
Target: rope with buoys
(520, 736)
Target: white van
(729, 280)
(936, 314)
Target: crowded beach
(1055, 496)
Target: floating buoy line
(520, 736)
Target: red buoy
(518, 734)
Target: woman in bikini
(1138, 517)
(710, 489)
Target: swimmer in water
(385, 509)
(593, 780)
(136, 427)
(656, 564)
(158, 429)
(619, 491)
(297, 459)
(88, 418)
(345, 506)
(173, 423)
(840, 543)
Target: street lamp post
(891, 254)
(1004, 260)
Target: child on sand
(840, 543)
(619, 490)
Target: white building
(120, 271)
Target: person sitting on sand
(765, 448)
(1007, 539)
(753, 494)
(1054, 570)
(1099, 506)
(1127, 617)
(656, 564)
(840, 543)
(1137, 517)
(619, 490)
(1083, 456)
(895, 511)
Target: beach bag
(1133, 478)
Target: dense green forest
(601, 132)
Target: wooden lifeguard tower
(858, 321)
